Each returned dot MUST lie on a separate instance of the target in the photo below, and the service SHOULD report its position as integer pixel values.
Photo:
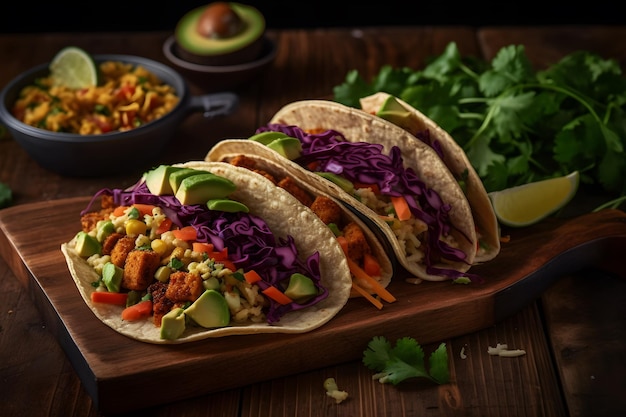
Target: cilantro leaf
(518, 125)
(405, 360)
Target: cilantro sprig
(405, 360)
(518, 125)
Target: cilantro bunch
(405, 360)
(515, 124)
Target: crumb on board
(502, 349)
(332, 390)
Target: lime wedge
(529, 203)
(74, 68)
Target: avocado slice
(210, 310)
(178, 176)
(199, 189)
(393, 111)
(290, 148)
(301, 288)
(158, 179)
(191, 39)
(103, 229)
(173, 324)
(112, 276)
(345, 185)
(87, 245)
(227, 205)
(266, 137)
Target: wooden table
(574, 334)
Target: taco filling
(171, 259)
(416, 214)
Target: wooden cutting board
(111, 365)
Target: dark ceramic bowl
(108, 153)
(220, 77)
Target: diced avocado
(112, 276)
(158, 179)
(345, 185)
(267, 137)
(177, 177)
(163, 273)
(87, 245)
(173, 324)
(290, 148)
(209, 310)
(225, 204)
(199, 189)
(103, 229)
(393, 111)
(301, 288)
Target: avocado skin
(243, 47)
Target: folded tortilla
(458, 163)
(286, 217)
(358, 126)
(228, 150)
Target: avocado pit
(220, 33)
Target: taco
(368, 258)
(213, 249)
(398, 185)
(413, 121)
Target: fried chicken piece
(294, 189)
(139, 269)
(161, 305)
(90, 220)
(110, 241)
(357, 243)
(243, 161)
(327, 210)
(122, 248)
(184, 286)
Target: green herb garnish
(515, 124)
(405, 360)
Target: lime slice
(74, 68)
(529, 203)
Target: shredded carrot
(137, 311)
(367, 296)
(165, 226)
(277, 295)
(371, 265)
(401, 207)
(144, 209)
(119, 211)
(185, 233)
(202, 247)
(360, 275)
(252, 276)
(116, 298)
(505, 239)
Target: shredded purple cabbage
(249, 240)
(362, 162)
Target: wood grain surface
(111, 364)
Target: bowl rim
(269, 50)
(22, 79)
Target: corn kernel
(159, 246)
(135, 227)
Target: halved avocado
(243, 46)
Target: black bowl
(219, 77)
(77, 155)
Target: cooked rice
(128, 97)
